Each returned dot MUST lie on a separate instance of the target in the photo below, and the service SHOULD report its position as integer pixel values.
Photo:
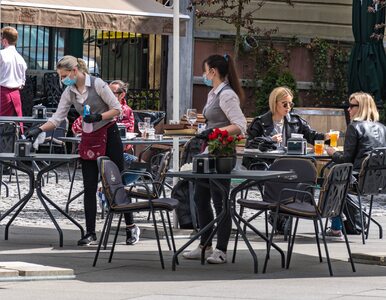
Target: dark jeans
(114, 150)
(204, 191)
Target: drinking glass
(319, 147)
(142, 128)
(191, 116)
(334, 136)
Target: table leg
(44, 198)
(23, 201)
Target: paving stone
(29, 269)
(8, 273)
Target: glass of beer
(334, 136)
(319, 147)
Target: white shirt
(12, 68)
(230, 105)
(65, 103)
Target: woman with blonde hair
(276, 126)
(363, 134)
(103, 139)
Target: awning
(141, 16)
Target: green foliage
(339, 63)
(320, 50)
(276, 74)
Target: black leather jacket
(361, 137)
(262, 126)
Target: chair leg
(103, 233)
(172, 235)
(115, 238)
(369, 217)
(165, 230)
(326, 249)
(361, 216)
(348, 246)
(291, 241)
(317, 239)
(270, 240)
(106, 239)
(158, 241)
(237, 236)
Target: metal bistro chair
(371, 181)
(332, 198)
(9, 132)
(119, 202)
(306, 173)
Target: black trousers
(204, 192)
(114, 150)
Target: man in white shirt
(12, 74)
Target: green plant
(339, 63)
(221, 143)
(276, 75)
(320, 50)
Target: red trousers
(10, 103)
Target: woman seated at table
(363, 134)
(275, 127)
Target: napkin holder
(122, 131)
(297, 146)
(23, 148)
(39, 112)
(204, 164)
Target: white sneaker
(218, 257)
(196, 253)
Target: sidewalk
(135, 272)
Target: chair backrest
(8, 136)
(190, 149)
(112, 182)
(159, 165)
(304, 168)
(372, 176)
(52, 89)
(27, 94)
(334, 190)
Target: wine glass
(191, 116)
(142, 128)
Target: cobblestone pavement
(34, 214)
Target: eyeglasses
(287, 104)
(351, 106)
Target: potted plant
(222, 145)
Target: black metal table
(22, 119)
(276, 154)
(35, 183)
(251, 179)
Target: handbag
(93, 144)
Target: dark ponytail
(226, 68)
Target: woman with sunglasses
(363, 134)
(276, 126)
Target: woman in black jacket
(363, 134)
(276, 126)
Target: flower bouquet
(223, 145)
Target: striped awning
(141, 16)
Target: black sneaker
(132, 235)
(88, 239)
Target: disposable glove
(92, 118)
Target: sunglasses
(118, 92)
(288, 104)
(351, 106)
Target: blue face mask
(68, 81)
(207, 81)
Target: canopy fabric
(141, 16)
(367, 66)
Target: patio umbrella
(367, 66)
